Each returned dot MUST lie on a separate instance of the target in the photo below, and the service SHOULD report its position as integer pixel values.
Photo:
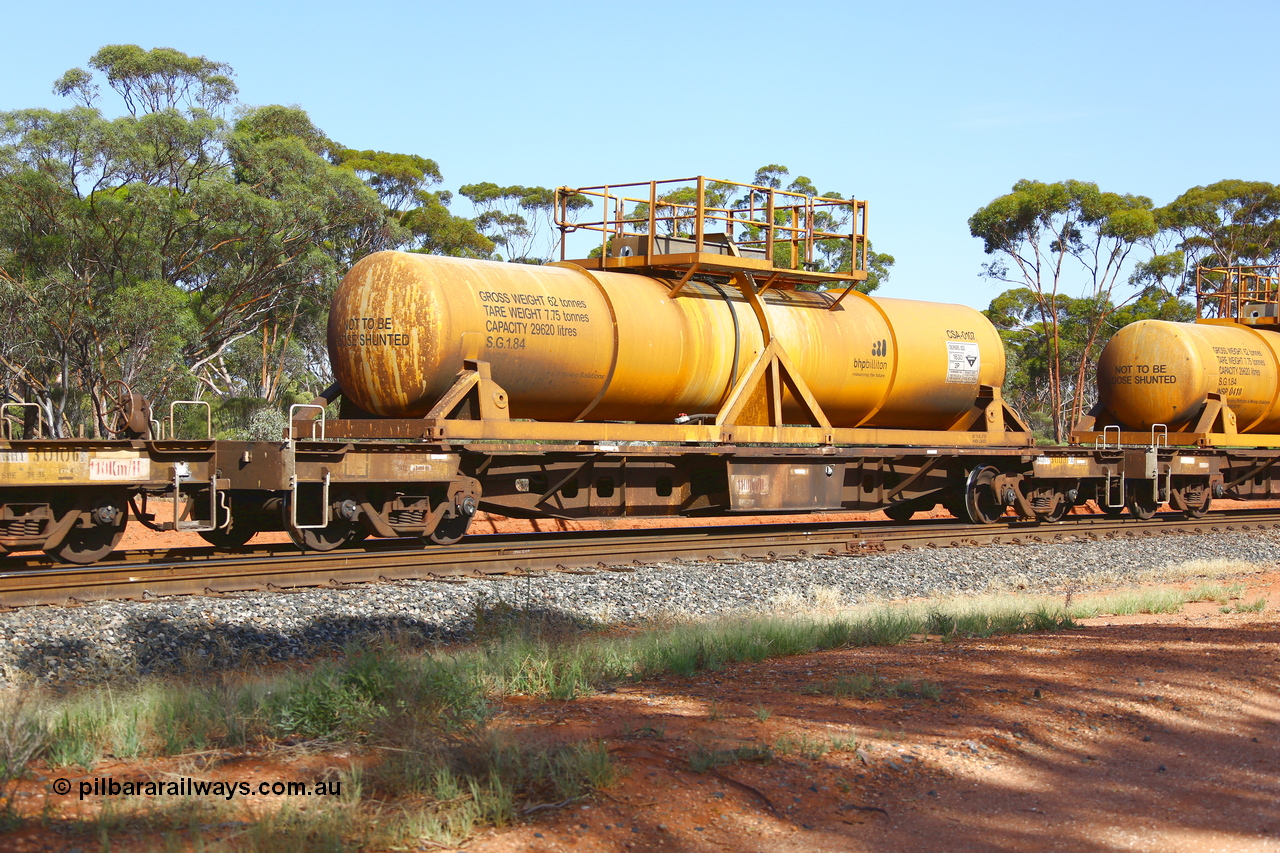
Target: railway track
(28, 581)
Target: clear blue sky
(927, 110)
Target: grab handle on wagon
(208, 417)
(320, 420)
(1101, 442)
(10, 423)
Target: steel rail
(195, 571)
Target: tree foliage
(152, 81)
(1226, 223)
(181, 252)
(519, 220)
(186, 245)
(159, 234)
(1017, 314)
(1043, 236)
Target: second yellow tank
(1157, 372)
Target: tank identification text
(510, 318)
(1234, 362)
(1143, 374)
(958, 335)
(371, 332)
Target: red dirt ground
(138, 537)
(1136, 733)
(1152, 733)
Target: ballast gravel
(109, 640)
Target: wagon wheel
(328, 538)
(1100, 500)
(454, 525)
(981, 503)
(237, 535)
(1142, 505)
(900, 512)
(338, 532)
(450, 530)
(234, 532)
(1111, 511)
(84, 545)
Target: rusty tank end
(1157, 372)
(568, 343)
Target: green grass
(844, 743)
(366, 695)
(1215, 592)
(1256, 606)
(652, 732)
(803, 745)
(444, 773)
(486, 782)
(1129, 603)
(22, 740)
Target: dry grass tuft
(1218, 568)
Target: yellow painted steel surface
(942, 353)
(1157, 372)
(568, 344)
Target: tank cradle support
(750, 414)
(473, 396)
(756, 399)
(1215, 426)
(1211, 383)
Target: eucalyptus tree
(519, 220)
(405, 184)
(149, 247)
(1045, 237)
(1227, 223)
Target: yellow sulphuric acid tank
(1157, 372)
(569, 344)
